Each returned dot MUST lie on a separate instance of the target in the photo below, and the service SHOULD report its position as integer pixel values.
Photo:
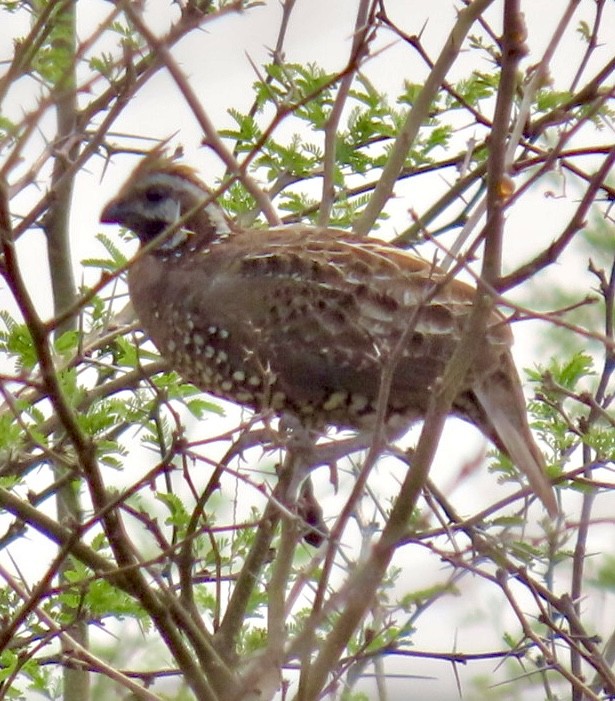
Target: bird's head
(159, 194)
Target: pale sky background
(217, 62)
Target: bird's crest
(157, 160)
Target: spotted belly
(208, 358)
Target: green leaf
(606, 574)
(178, 515)
(17, 343)
(67, 342)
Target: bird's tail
(504, 411)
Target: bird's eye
(154, 195)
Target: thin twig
(417, 116)
(360, 46)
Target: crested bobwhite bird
(301, 320)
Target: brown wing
(325, 311)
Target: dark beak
(112, 213)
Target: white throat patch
(177, 239)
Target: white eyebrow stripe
(177, 182)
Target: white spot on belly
(278, 400)
(335, 401)
(358, 402)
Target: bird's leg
(310, 512)
(306, 456)
(301, 446)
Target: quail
(301, 320)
